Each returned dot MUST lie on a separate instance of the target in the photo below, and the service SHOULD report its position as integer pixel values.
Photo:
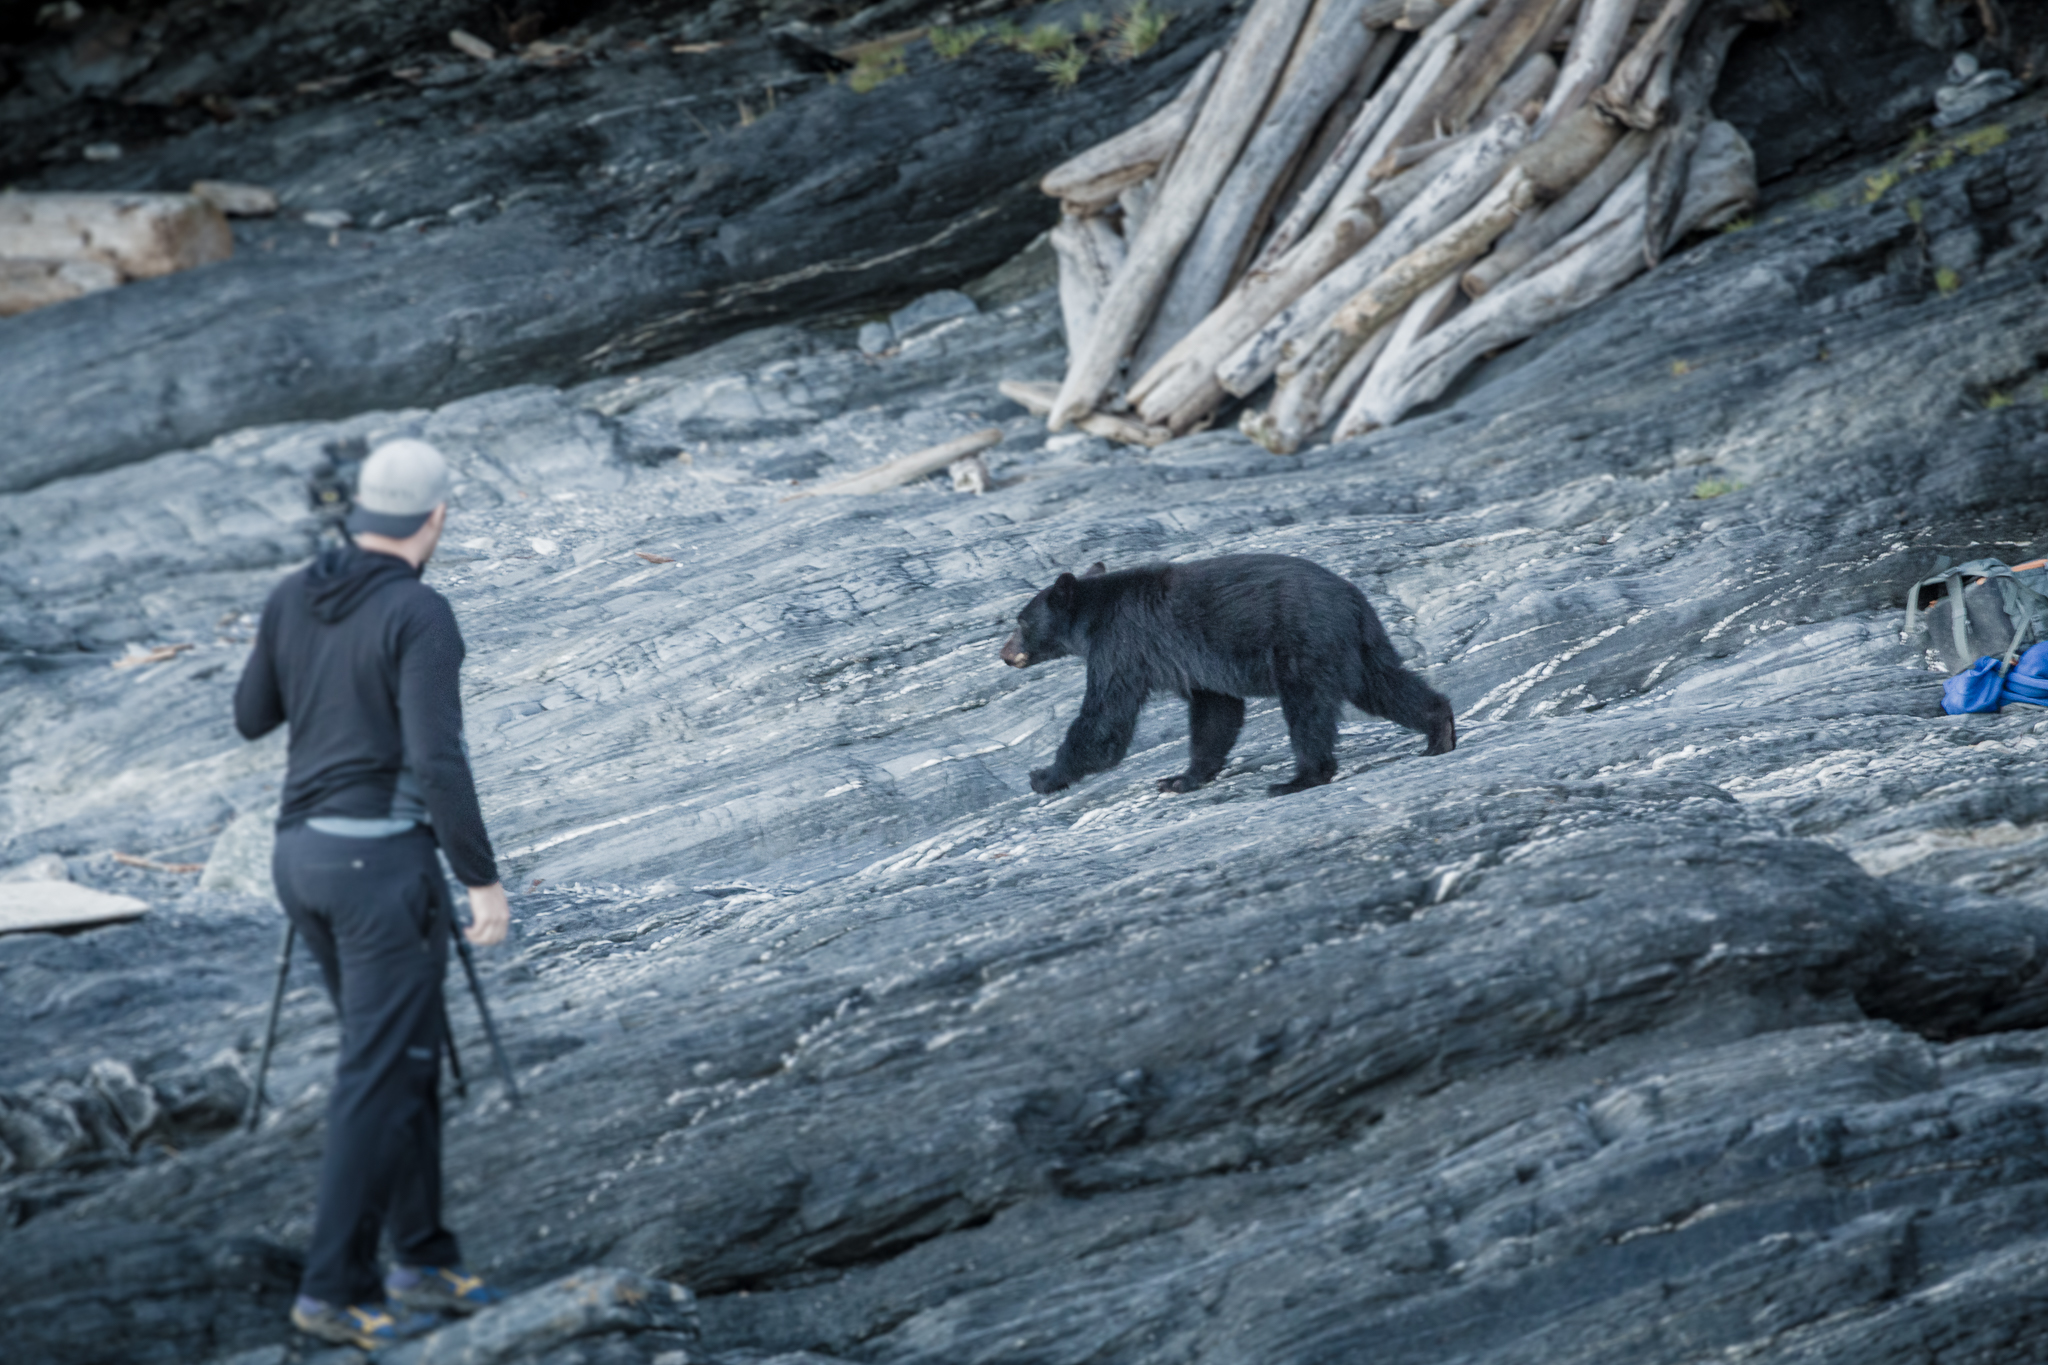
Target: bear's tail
(1391, 691)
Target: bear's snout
(1014, 653)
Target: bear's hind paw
(1045, 782)
(1181, 782)
(1301, 782)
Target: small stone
(327, 218)
(970, 474)
(877, 338)
(941, 306)
(133, 1102)
(102, 151)
(236, 200)
(464, 41)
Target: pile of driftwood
(1359, 198)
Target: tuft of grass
(1139, 29)
(1714, 488)
(1006, 33)
(1740, 223)
(1045, 39)
(1874, 186)
(1947, 281)
(953, 43)
(1916, 209)
(875, 67)
(1823, 200)
(1064, 68)
(1680, 368)
(1092, 24)
(1978, 141)
(1995, 400)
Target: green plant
(1714, 488)
(1916, 210)
(1139, 28)
(1064, 68)
(1947, 281)
(874, 67)
(1046, 39)
(1874, 186)
(1006, 33)
(1995, 400)
(1740, 223)
(1823, 200)
(951, 43)
(1978, 141)
(1091, 24)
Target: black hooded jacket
(362, 659)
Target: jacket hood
(344, 578)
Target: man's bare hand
(490, 915)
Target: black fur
(1215, 632)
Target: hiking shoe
(369, 1326)
(440, 1289)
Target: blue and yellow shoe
(369, 1326)
(439, 1289)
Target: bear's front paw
(1045, 781)
(1179, 782)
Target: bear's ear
(1062, 590)
(1095, 570)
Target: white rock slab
(61, 905)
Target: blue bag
(1976, 689)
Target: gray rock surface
(1695, 1007)
(524, 223)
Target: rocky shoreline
(1695, 1006)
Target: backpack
(2001, 613)
(1979, 628)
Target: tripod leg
(490, 1029)
(284, 967)
(454, 1057)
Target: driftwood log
(1592, 262)
(1500, 148)
(1447, 196)
(1344, 177)
(1089, 252)
(25, 285)
(906, 468)
(1329, 49)
(1093, 180)
(1542, 229)
(1037, 399)
(140, 235)
(1220, 130)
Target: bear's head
(1044, 625)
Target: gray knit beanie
(401, 484)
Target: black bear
(1215, 632)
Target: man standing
(361, 658)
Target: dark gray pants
(376, 914)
